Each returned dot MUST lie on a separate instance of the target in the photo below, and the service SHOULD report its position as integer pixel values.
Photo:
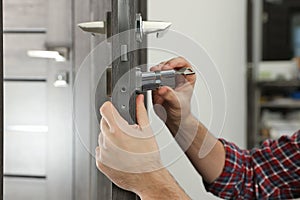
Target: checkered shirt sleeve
(270, 172)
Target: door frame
(1, 101)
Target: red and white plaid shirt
(271, 172)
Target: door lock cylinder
(153, 80)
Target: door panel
(25, 103)
(38, 115)
(24, 14)
(25, 128)
(17, 64)
(25, 153)
(24, 189)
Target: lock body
(153, 80)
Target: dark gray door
(123, 19)
(118, 16)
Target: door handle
(148, 27)
(142, 28)
(59, 54)
(98, 27)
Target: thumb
(141, 112)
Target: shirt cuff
(224, 185)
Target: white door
(38, 137)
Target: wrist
(159, 185)
(182, 123)
(189, 133)
(152, 182)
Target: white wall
(219, 26)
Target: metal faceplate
(123, 80)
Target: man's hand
(129, 156)
(174, 106)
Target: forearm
(206, 153)
(161, 185)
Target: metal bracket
(123, 80)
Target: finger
(97, 153)
(178, 63)
(155, 68)
(141, 112)
(101, 141)
(156, 98)
(105, 129)
(167, 94)
(180, 80)
(105, 136)
(167, 67)
(163, 63)
(112, 116)
(98, 158)
(100, 161)
(158, 67)
(161, 112)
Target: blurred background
(255, 45)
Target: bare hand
(173, 106)
(127, 154)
